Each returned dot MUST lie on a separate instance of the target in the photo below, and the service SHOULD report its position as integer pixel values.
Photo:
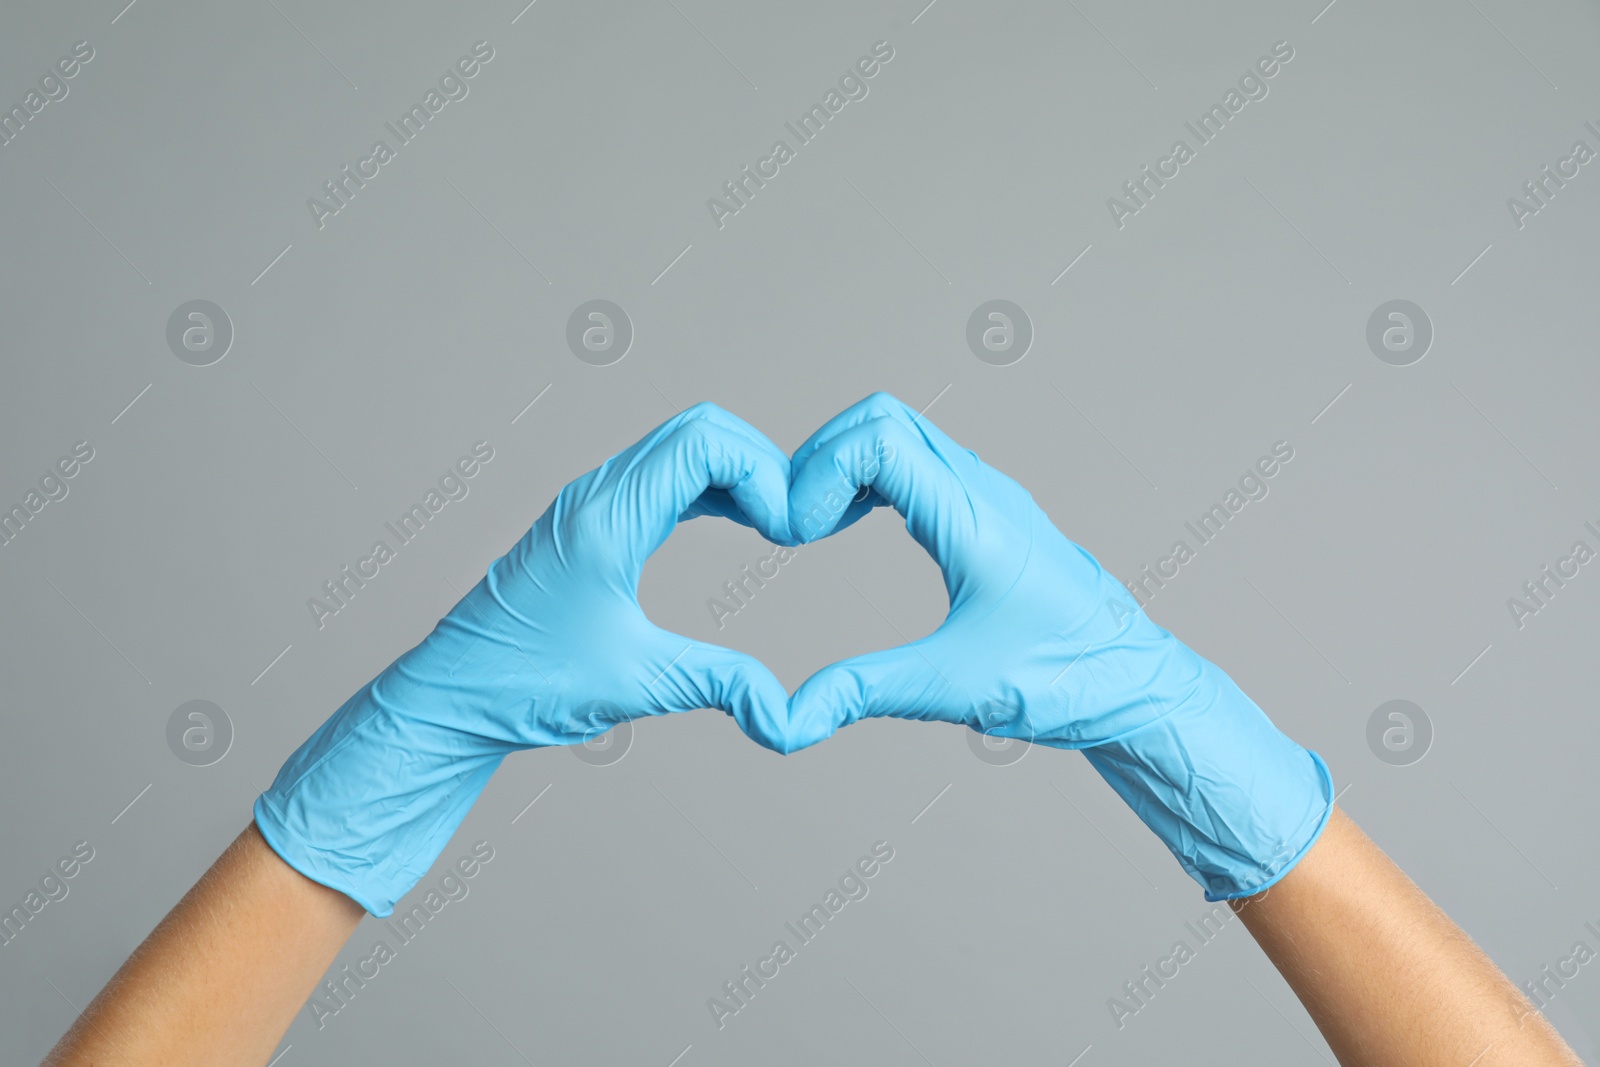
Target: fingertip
(750, 470)
(801, 536)
(758, 702)
(827, 700)
(825, 488)
(884, 402)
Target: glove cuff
(1235, 801)
(366, 805)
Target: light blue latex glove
(1042, 645)
(550, 648)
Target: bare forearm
(1386, 975)
(220, 978)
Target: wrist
(369, 801)
(1236, 801)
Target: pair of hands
(551, 648)
(559, 621)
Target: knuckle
(701, 410)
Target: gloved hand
(549, 648)
(1041, 644)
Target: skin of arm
(220, 978)
(1385, 974)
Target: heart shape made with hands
(1035, 644)
(551, 648)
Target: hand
(1040, 642)
(550, 648)
(1043, 645)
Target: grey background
(1225, 316)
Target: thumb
(710, 676)
(902, 682)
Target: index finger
(896, 462)
(704, 448)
